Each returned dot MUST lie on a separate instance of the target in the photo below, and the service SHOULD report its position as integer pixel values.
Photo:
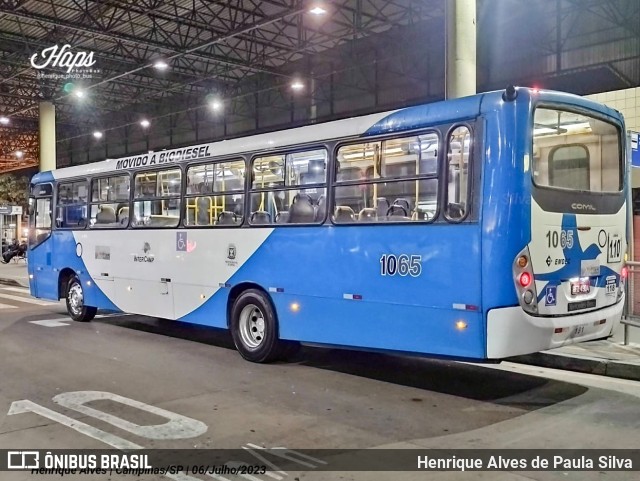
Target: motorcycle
(13, 250)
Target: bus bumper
(511, 331)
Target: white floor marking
(50, 323)
(25, 406)
(27, 300)
(7, 306)
(176, 427)
(59, 321)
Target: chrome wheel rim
(252, 326)
(76, 299)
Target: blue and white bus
(477, 228)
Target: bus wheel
(254, 327)
(75, 302)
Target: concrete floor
(324, 399)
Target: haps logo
(62, 57)
(577, 206)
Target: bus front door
(43, 282)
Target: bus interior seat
(368, 214)
(397, 212)
(204, 211)
(321, 208)
(383, 206)
(227, 218)
(106, 215)
(260, 217)
(344, 213)
(123, 215)
(302, 209)
(282, 217)
(455, 210)
(404, 203)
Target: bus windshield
(576, 152)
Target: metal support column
(460, 18)
(47, 136)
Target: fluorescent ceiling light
(160, 65)
(317, 10)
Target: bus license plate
(583, 286)
(578, 330)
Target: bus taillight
(525, 279)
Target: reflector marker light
(224, 284)
(352, 297)
(276, 289)
(624, 272)
(466, 307)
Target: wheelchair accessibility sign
(550, 295)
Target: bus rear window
(572, 151)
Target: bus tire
(254, 327)
(75, 302)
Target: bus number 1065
(402, 265)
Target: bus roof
(409, 118)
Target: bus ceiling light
(145, 123)
(297, 85)
(97, 134)
(509, 94)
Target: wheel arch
(63, 281)
(238, 289)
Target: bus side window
(393, 180)
(215, 194)
(110, 202)
(71, 208)
(289, 188)
(458, 179)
